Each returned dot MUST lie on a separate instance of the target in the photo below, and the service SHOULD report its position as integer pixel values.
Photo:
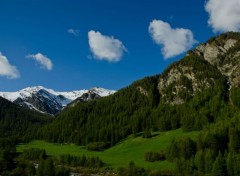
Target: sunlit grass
(130, 149)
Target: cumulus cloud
(172, 41)
(74, 32)
(105, 47)
(224, 15)
(6, 69)
(41, 59)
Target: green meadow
(130, 149)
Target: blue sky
(75, 44)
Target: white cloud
(224, 15)
(105, 47)
(172, 41)
(74, 32)
(6, 69)
(43, 60)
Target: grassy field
(131, 149)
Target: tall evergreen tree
(219, 166)
(230, 163)
(49, 168)
(234, 139)
(199, 161)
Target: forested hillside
(200, 92)
(19, 122)
(191, 93)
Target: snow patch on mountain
(48, 100)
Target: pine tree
(199, 161)
(40, 169)
(208, 161)
(49, 169)
(173, 151)
(219, 166)
(230, 164)
(187, 147)
(234, 140)
(236, 165)
(31, 171)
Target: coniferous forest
(192, 94)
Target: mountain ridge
(49, 101)
(190, 94)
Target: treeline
(216, 151)
(140, 108)
(7, 154)
(33, 154)
(34, 161)
(109, 119)
(49, 168)
(133, 170)
(81, 161)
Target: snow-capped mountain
(50, 101)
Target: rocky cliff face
(88, 96)
(219, 56)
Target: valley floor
(130, 149)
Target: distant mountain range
(50, 101)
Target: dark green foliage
(19, 122)
(147, 134)
(62, 171)
(33, 154)
(234, 139)
(132, 170)
(184, 148)
(98, 146)
(30, 170)
(215, 152)
(235, 96)
(187, 147)
(46, 168)
(184, 167)
(24, 168)
(40, 169)
(219, 166)
(199, 161)
(80, 161)
(173, 151)
(7, 154)
(230, 163)
(209, 160)
(49, 168)
(154, 156)
(162, 173)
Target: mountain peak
(48, 100)
(223, 52)
(33, 88)
(217, 60)
(220, 50)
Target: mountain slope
(191, 93)
(49, 101)
(17, 121)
